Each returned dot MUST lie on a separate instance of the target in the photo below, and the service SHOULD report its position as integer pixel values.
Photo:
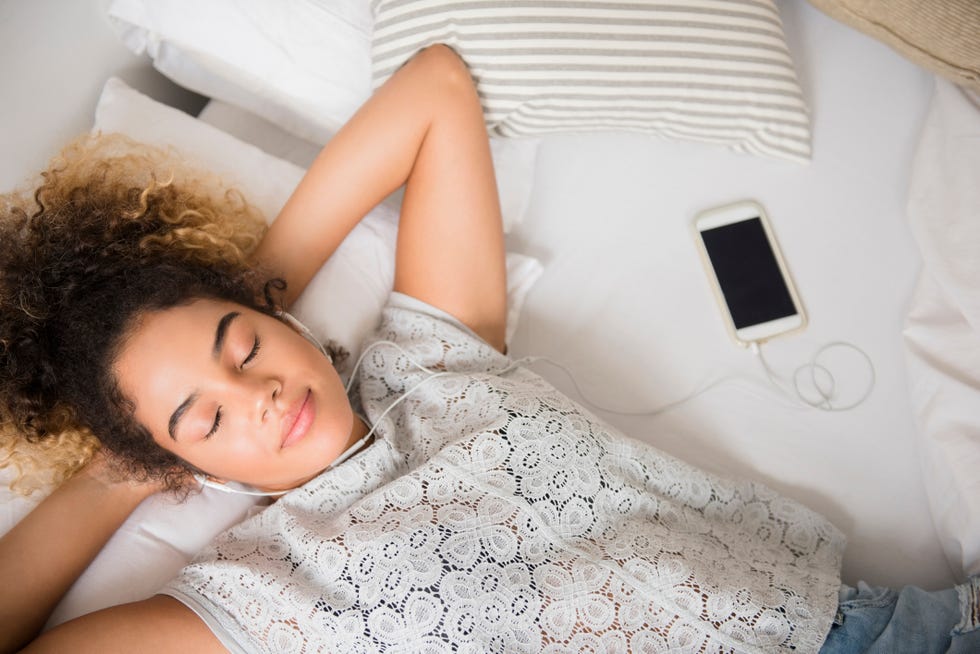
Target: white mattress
(625, 305)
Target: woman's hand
(43, 555)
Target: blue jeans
(912, 620)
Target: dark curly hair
(114, 229)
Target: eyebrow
(222, 331)
(178, 414)
(219, 340)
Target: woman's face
(236, 393)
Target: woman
(490, 513)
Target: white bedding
(624, 304)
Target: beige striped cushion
(708, 70)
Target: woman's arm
(424, 128)
(159, 624)
(43, 555)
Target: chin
(323, 451)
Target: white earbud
(236, 488)
(305, 333)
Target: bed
(607, 282)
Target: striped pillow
(708, 70)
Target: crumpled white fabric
(942, 332)
(495, 515)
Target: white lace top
(493, 514)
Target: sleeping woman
(449, 500)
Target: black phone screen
(748, 273)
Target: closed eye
(217, 416)
(255, 350)
(215, 425)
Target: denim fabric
(881, 620)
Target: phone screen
(748, 273)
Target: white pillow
(706, 71)
(159, 538)
(302, 65)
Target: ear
(211, 482)
(302, 330)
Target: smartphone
(747, 272)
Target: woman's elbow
(443, 63)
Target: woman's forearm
(369, 158)
(43, 555)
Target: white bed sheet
(624, 303)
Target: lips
(298, 420)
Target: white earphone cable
(797, 399)
(825, 390)
(240, 489)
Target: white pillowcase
(344, 301)
(302, 65)
(305, 65)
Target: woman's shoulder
(401, 306)
(404, 302)
(417, 333)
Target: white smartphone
(747, 272)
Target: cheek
(340, 404)
(166, 443)
(334, 413)
(303, 356)
(223, 455)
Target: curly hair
(113, 229)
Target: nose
(265, 395)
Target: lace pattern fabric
(494, 514)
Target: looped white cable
(827, 389)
